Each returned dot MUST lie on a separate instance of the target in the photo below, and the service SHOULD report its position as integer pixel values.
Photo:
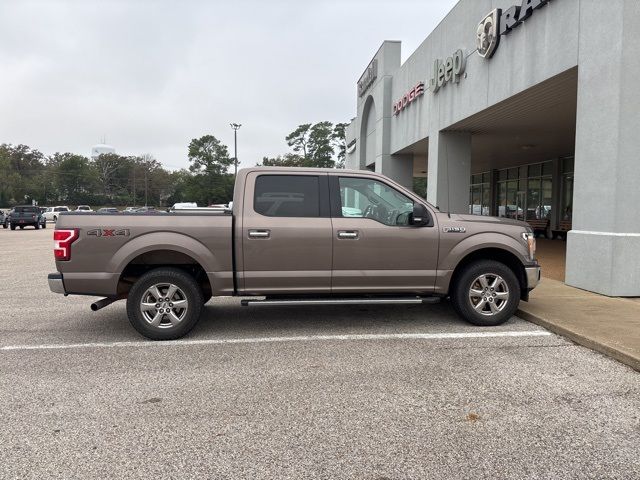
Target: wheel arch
(155, 250)
(497, 254)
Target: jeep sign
(447, 70)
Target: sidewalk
(607, 325)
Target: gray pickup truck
(27, 215)
(296, 237)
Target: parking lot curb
(581, 339)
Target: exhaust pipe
(95, 306)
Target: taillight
(62, 240)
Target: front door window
(367, 198)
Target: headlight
(530, 240)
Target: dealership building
(525, 109)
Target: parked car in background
(27, 215)
(130, 209)
(183, 205)
(108, 210)
(148, 210)
(83, 208)
(4, 218)
(51, 213)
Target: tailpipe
(95, 306)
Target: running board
(340, 301)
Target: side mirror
(419, 216)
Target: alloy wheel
(489, 294)
(164, 305)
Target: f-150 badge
(454, 229)
(105, 232)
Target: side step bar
(339, 301)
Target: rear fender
(164, 241)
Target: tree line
(27, 175)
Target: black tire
(13, 227)
(21, 227)
(485, 317)
(37, 226)
(55, 219)
(187, 287)
(44, 224)
(4, 225)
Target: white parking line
(300, 338)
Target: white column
(449, 171)
(603, 249)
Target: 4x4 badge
(454, 229)
(105, 232)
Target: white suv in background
(51, 213)
(83, 208)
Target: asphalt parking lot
(289, 392)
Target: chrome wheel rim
(489, 294)
(164, 305)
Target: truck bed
(109, 244)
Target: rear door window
(287, 196)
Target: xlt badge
(454, 229)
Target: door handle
(259, 233)
(348, 234)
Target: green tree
(286, 160)
(340, 142)
(208, 155)
(110, 169)
(22, 168)
(320, 147)
(70, 178)
(209, 162)
(299, 138)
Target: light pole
(235, 127)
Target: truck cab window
(367, 198)
(287, 196)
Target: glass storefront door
(508, 199)
(521, 205)
(539, 192)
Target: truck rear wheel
(486, 293)
(164, 304)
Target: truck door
(286, 233)
(375, 249)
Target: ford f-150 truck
(27, 215)
(296, 237)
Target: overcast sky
(152, 75)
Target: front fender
(164, 241)
(449, 260)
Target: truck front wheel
(486, 293)
(164, 304)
